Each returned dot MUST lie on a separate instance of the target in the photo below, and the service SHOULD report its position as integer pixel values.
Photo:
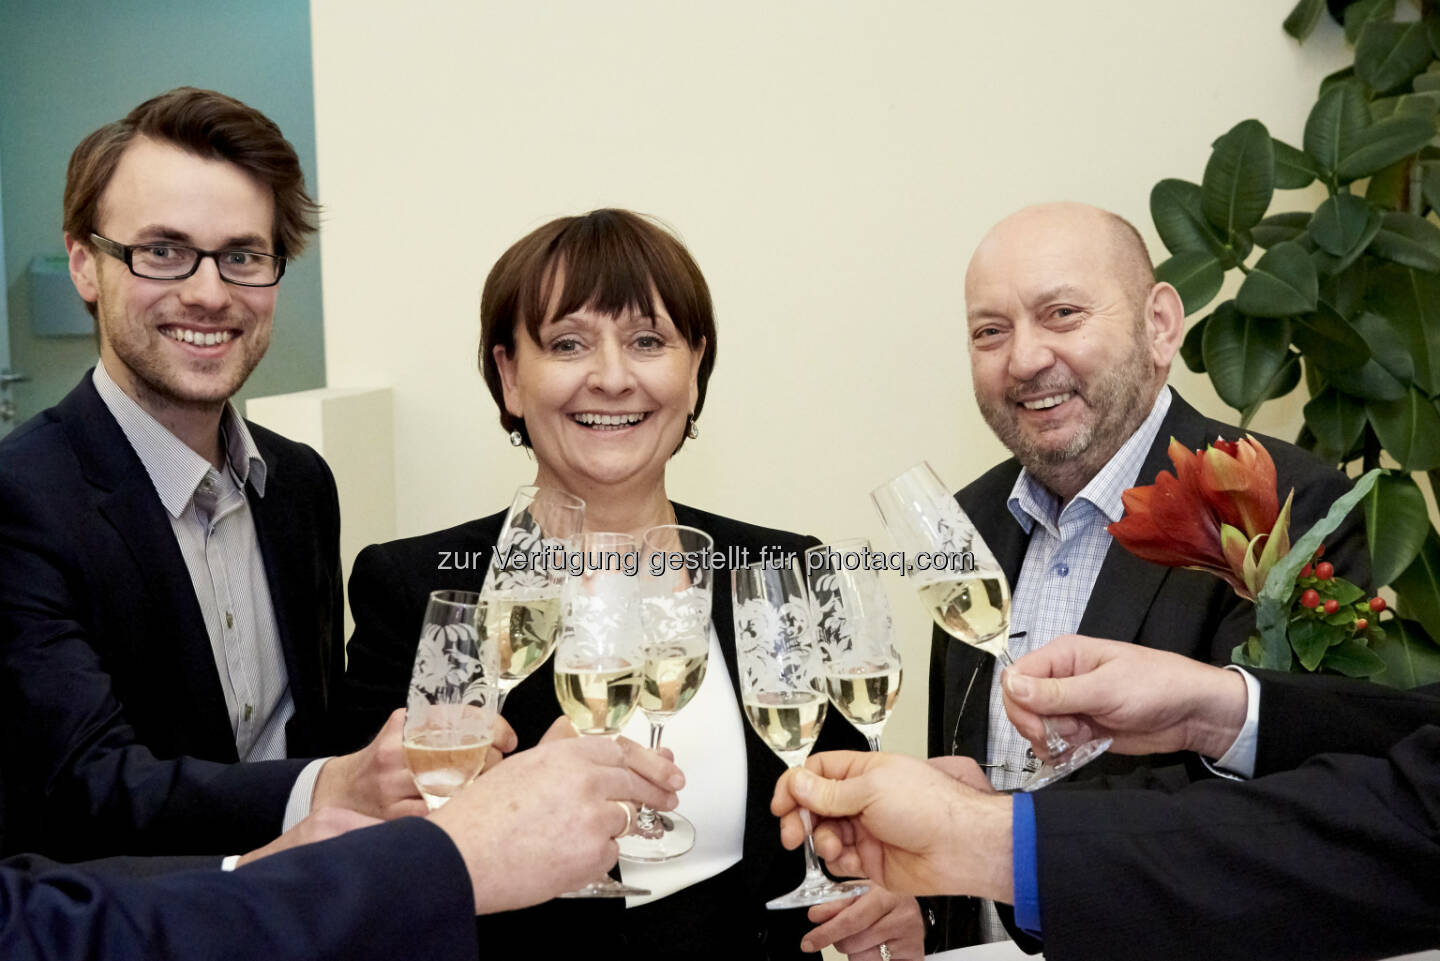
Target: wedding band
(884, 951)
(626, 829)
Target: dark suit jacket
(115, 734)
(721, 917)
(1338, 858)
(397, 890)
(1190, 612)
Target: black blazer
(115, 735)
(1190, 612)
(397, 890)
(1338, 858)
(716, 918)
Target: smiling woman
(597, 342)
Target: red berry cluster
(1319, 576)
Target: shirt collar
(1031, 501)
(174, 468)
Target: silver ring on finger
(884, 951)
(628, 816)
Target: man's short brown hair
(608, 260)
(209, 125)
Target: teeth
(608, 420)
(187, 336)
(1053, 400)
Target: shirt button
(1062, 570)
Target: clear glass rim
(451, 598)
(919, 465)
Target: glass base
(672, 836)
(608, 888)
(818, 892)
(1064, 764)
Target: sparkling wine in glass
(782, 691)
(525, 578)
(676, 585)
(600, 655)
(454, 698)
(965, 591)
(852, 626)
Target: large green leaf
(1388, 54)
(1338, 118)
(1272, 606)
(1409, 430)
(1311, 639)
(1242, 354)
(1352, 659)
(1396, 521)
(1386, 345)
(1293, 168)
(1239, 178)
(1328, 340)
(1434, 31)
(1387, 188)
(1411, 658)
(1382, 144)
(1429, 81)
(1278, 228)
(1283, 283)
(1192, 350)
(1418, 588)
(1336, 419)
(1175, 207)
(1282, 382)
(1361, 12)
(1196, 274)
(1409, 240)
(1370, 382)
(1345, 75)
(1301, 20)
(1410, 300)
(1344, 225)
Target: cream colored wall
(831, 165)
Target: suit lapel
(1123, 575)
(174, 628)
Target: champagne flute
(852, 625)
(600, 655)
(675, 587)
(454, 698)
(781, 690)
(525, 578)
(968, 596)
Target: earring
(516, 439)
(692, 430)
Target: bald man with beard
(1071, 340)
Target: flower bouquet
(1220, 512)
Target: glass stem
(874, 740)
(646, 821)
(1054, 743)
(812, 863)
(500, 703)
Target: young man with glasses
(170, 590)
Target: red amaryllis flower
(1216, 513)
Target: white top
(708, 738)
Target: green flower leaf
(1338, 118)
(1336, 419)
(1352, 659)
(1242, 353)
(1388, 54)
(1282, 284)
(1175, 207)
(1396, 522)
(1311, 638)
(1409, 429)
(1195, 274)
(1411, 658)
(1272, 607)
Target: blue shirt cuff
(1026, 873)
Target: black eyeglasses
(245, 268)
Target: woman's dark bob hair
(610, 261)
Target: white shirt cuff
(1239, 760)
(229, 863)
(298, 807)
